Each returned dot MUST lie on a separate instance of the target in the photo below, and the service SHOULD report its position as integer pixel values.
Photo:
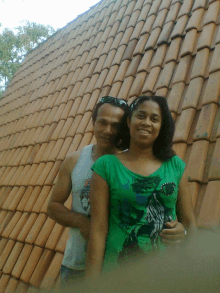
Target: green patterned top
(139, 205)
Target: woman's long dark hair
(162, 147)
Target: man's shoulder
(71, 160)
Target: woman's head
(149, 123)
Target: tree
(15, 44)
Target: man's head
(107, 116)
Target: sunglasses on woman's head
(113, 101)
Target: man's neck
(98, 151)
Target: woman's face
(145, 123)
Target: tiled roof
(121, 48)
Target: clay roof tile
(179, 29)
(212, 13)
(152, 40)
(151, 79)
(203, 130)
(9, 265)
(209, 212)
(196, 164)
(31, 264)
(6, 252)
(4, 281)
(195, 19)
(214, 173)
(32, 199)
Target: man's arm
(61, 191)
(99, 200)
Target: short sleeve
(179, 167)
(100, 167)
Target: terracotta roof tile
(4, 194)
(122, 70)
(196, 164)
(205, 39)
(212, 13)
(6, 232)
(41, 198)
(19, 225)
(138, 84)
(35, 229)
(60, 152)
(54, 236)
(193, 93)
(165, 34)
(43, 170)
(92, 101)
(145, 61)
(159, 56)
(216, 126)
(184, 125)
(185, 8)
(151, 79)
(166, 75)
(6, 252)
(215, 64)
(209, 212)
(9, 265)
(139, 49)
(32, 199)
(173, 51)
(195, 19)
(22, 287)
(152, 40)
(52, 272)
(43, 208)
(31, 264)
(148, 23)
(180, 149)
(3, 282)
(125, 88)
(203, 130)
(214, 173)
(44, 233)
(199, 4)
(137, 30)
(182, 69)
(12, 285)
(175, 96)
(160, 18)
(115, 89)
(25, 230)
(200, 64)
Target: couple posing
(134, 194)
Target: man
(75, 175)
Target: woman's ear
(128, 122)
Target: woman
(134, 193)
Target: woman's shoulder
(177, 161)
(105, 159)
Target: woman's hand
(174, 234)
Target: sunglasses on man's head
(111, 100)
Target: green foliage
(15, 44)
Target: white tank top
(75, 252)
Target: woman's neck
(141, 152)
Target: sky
(56, 13)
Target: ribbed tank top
(75, 252)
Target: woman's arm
(99, 202)
(185, 206)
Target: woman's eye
(140, 116)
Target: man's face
(107, 124)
